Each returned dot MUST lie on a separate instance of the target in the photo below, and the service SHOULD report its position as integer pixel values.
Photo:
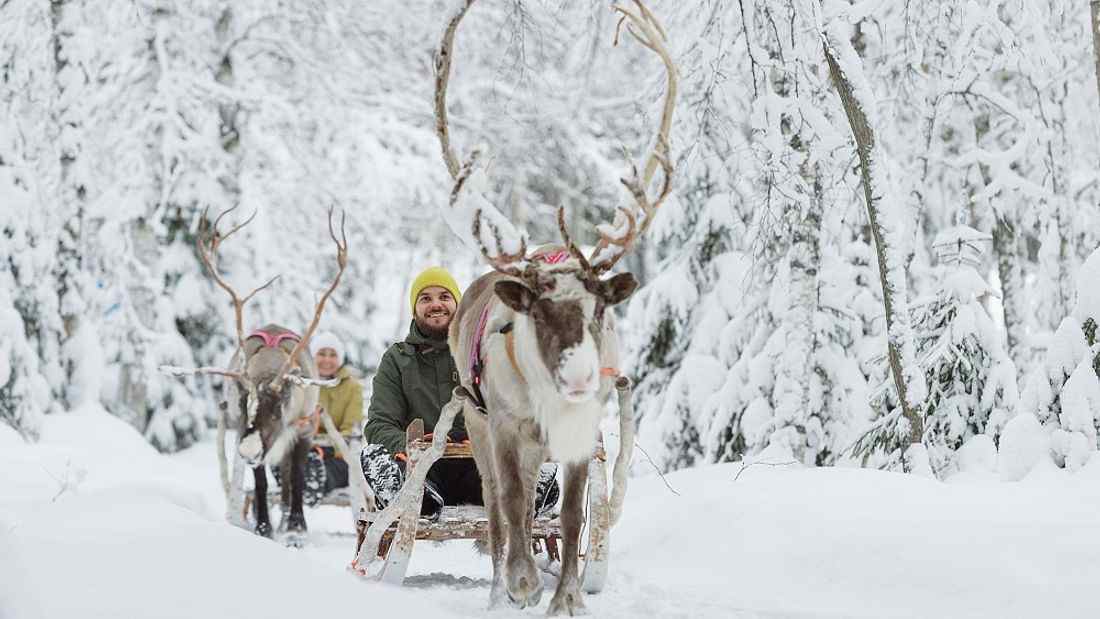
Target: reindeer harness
(273, 340)
(310, 423)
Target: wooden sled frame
(386, 537)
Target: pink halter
(272, 341)
(555, 257)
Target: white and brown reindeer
(271, 392)
(535, 345)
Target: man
(415, 379)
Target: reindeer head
(273, 397)
(561, 309)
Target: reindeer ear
(618, 288)
(515, 295)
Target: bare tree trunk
(229, 111)
(1096, 39)
(793, 384)
(865, 143)
(1006, 253)
(1008, 270)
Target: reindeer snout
(580, 386)
(578, 373)
(582, 383)
(251, 448)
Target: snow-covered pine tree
(31, 331)
(772, 374)
(1068, 397)
(971, 380)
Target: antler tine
(644, 28)
(342, 261)
(569, 244)
(208, 254)
(502, 261)
(342, 243)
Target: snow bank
(794, 541)
(138, 534)
(1023, 443)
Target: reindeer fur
(528, 421)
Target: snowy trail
(112, 529)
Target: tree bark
(1095, 4)
(865, 145)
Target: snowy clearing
(110, 528)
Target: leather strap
(510, 347)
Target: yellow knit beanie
(433, 276)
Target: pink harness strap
(475, 350)
(273, 341)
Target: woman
(327, 470)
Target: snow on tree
(31, 330)
(752, 350)
(971, 380)
(1064, 391)
(1077, 404)
(887, 219)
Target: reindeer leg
(296, 523)
(517, 477)
(568, 598)
(490, 488)
(263, 520)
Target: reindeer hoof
(525, 585)
(263, 529)
(295, 539)
(567, 603)
(498, 596)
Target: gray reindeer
(271, 392)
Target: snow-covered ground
(94, 523)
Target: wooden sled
(385, 539)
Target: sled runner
(387, 537)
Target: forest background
(761, 323)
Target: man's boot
(546, 490)
(383, 473)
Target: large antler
(342, 261)
(487, 225)
(208, 252)
(619, 237)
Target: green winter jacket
(344, 402)
(414, 380)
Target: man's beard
(435, 333)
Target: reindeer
(534, 342)
(274, 391)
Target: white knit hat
(327, 339)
